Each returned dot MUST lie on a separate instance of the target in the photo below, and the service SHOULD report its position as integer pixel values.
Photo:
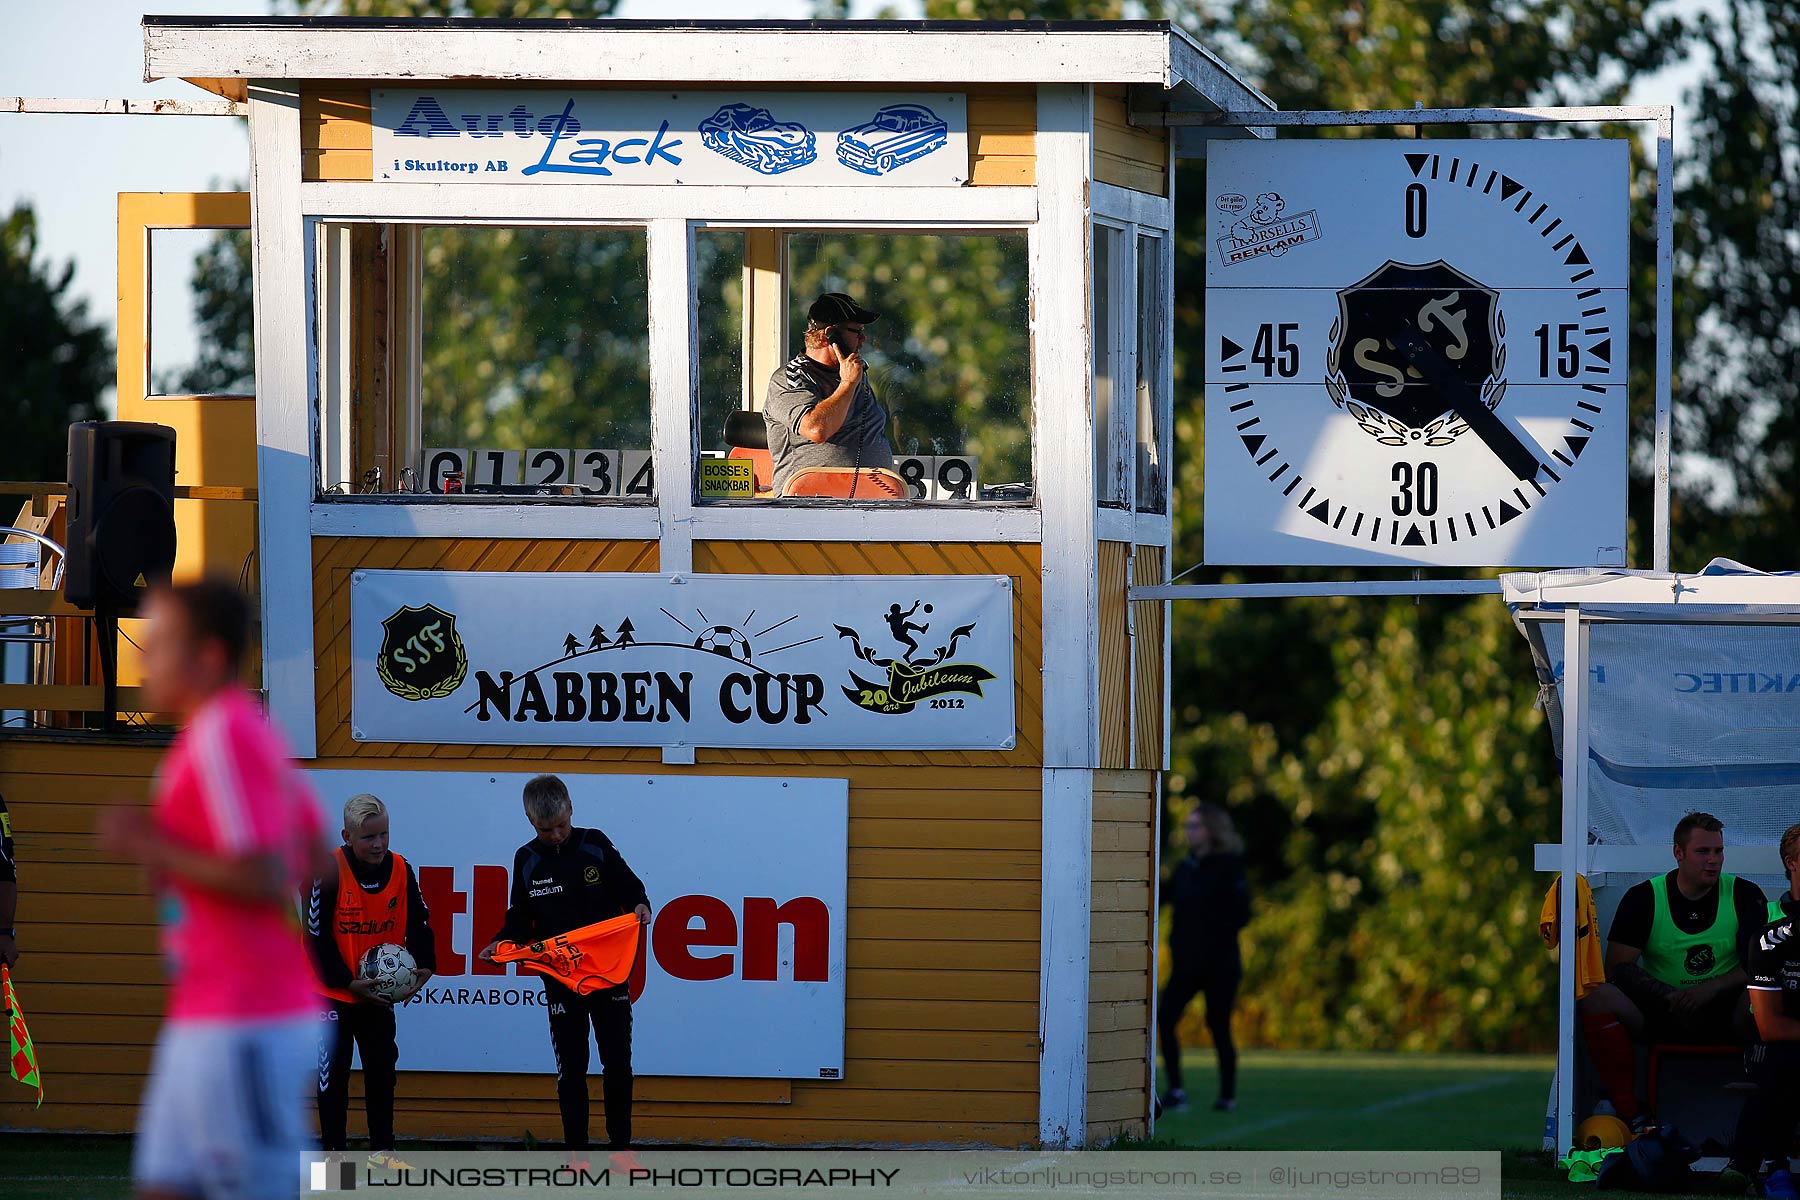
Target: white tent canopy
(1687, 698)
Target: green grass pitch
(1287, 1101)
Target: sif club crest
(422, 657)
(1366, 373)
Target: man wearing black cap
(821, 411)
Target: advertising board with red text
(742, 971)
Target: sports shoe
(387, 1160)
(1224, 1104)
(1641, 1124)
(1780, 1186)
(624, 1161)
(1173, 1100)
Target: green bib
(1775, 913)
(1681, 959)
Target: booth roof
(758, 53)
(1722, 588)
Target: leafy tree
(58, 360)
(1738, 399)
(534, 337)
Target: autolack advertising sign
(710, 137)
(741, 972)
(916, 662)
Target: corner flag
(22, 1060)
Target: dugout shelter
(1681, 701)
(890, 767)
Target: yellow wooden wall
(941, 1011)
(1120, 979)
(337, 144)
(1131, 640)
(1126, 155)
(1149, 619)
(944, 888)
(1115, 658)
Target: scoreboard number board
(939, 477)
(1415, 352)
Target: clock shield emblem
(422, 656)
(1367, 375)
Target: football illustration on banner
(1427, 365)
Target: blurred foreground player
(563, 879)
(370, 899)
(230, 838)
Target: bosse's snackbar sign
(669, 660)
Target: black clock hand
(1512, 452)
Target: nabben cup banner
(848, 662)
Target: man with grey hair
(564, 878)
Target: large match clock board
(1415, 352)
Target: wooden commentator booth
(991, 875)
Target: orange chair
(846, 483)
(748, 436)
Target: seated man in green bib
(1675, 962)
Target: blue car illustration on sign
(898, 134)
(752, 136)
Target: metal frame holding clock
(1416, 352)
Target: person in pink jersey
(232, 833)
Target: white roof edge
(746, 56)
(1207, 73)
(1603, 590)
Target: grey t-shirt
(794, 389)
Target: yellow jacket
(1590, 967)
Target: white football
(389, 969)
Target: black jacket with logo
(559, 888)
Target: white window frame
(1137, 214)
(331, 410)
(681, 209)
(830, 508)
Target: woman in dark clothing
(1211, 902)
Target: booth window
(949, 357)
(1154, 408)
(485, 361)
(1110, 469)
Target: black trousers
(371, 1028)
(1220, 988)
(1766, 1125)
(609, 1013)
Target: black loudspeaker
(121, 513)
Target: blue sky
(71, 168)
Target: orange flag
(22, 1061)
(586, 959)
